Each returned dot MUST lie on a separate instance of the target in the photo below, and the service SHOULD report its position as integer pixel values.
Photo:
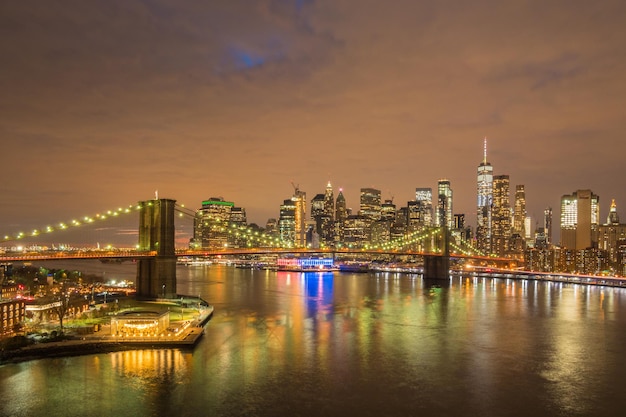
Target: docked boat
(306, 264)
(354, 267)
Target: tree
(62, 306)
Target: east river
(336, 344)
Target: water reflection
(340, 344)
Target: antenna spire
(485, 150)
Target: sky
(104, 102)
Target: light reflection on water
(342, 344)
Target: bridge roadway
(493, 271)
(131, 254)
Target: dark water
(293, 344)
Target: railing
(131, 254)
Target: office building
(444, 214)
(211, 224)
(287, 224)
(341, 213)
(547, 225)
(370, 204)
(519, 211)
(299, 200)
(580, 212)
(329, 201)
(611, 236)
(485, 201)
(357, 231)
(322, 220)
(501, 216)
(424, 199)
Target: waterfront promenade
(103, 341)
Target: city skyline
(104, 104)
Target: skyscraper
(485, 201)
(444, 215)
(547, 225)
(388, 211)
(287, 224)
(340, 207)
(299, 199)
(613, 217)
(519, 211)
(424, 198)
(370, 206)
(317, 205)
(323, 221)
(611, 236)
(501, 216)
(341, 214)
(211, 223)
(329, 201)
(580, 213)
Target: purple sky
(104, 102)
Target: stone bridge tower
(156, 277)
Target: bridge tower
(156, 277)
(438, 266)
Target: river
(336, 344)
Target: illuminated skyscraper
(519, 211)
(370, 206)
(211, 223)
(613, 217)
(299, 199)
(424, 198)
(501, 216)
(580, 213)
(329, 201)
(388, 211)
(238, 219)
(611, 236)
(317, 206)
(547, 225)
(287, 224)
(414, 216)
(341, 214)
(323, 221)
(444, 215)
(485, 201)
(357, 231)
(528, 227)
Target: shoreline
(187, 340)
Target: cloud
(107, 101)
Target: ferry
(306, 264)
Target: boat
(354, 267)
(306, 264)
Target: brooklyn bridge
(156, 254)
